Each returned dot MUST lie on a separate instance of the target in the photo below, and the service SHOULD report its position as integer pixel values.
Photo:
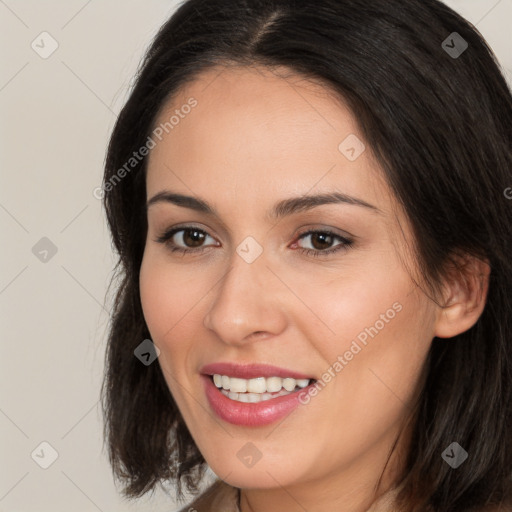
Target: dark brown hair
(439, 122)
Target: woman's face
(259, 290)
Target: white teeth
(225, 382)
(289, 384)
(257, 389)
(257, 385)
(253, 397)
(237, 385)
(274, 384)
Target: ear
(463, 297)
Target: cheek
(156, 297)
(348, 301)
(173, 298)
(166, 306)
(381, 325)
(383, 353)
(167, 295)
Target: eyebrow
(281, 209)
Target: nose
(246, 305)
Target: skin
(254, 138)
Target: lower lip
(250, 414)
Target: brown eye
(321, 243)
(193, 237)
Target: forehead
(266, 133)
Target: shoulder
(219, 497)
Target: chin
(262, 474)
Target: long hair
(434, 106)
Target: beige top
(221, 497)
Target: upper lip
(250, 371)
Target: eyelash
(165, 238)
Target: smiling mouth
(258, 389)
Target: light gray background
(57, 114)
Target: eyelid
(302, 231)
(325, 229)
(169, 233)
(346, 242)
